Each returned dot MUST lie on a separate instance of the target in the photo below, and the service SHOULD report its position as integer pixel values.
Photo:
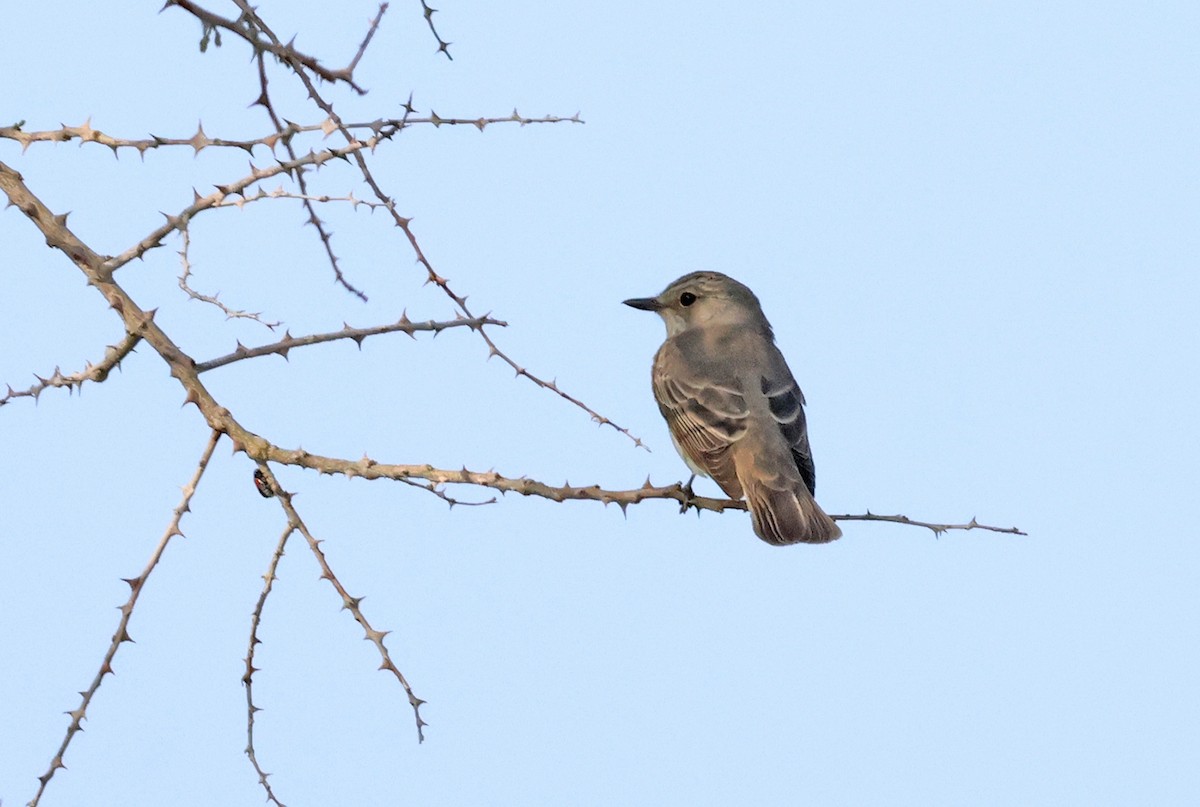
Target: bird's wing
(705, 416)
(786, 402)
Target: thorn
(200, 139)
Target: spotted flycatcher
(733, 408)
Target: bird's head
(702, 299)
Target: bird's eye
(687, 298)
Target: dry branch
(98, 373)
(136, 584)
(404, 325)
(248, 677)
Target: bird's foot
(689, 496)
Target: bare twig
(264, 100)
(383, 7)
(214, 299)
(248, 677)
(404, 325)
(84, 133)
(281, 193)
(351, 604)
(386, 127)
(136, 584)
(937, 529)
(436, 490)
(248, 27)
(443, 45)
(220, 196)
(113, 355)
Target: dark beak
(645, 303)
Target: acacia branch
(155, 238)
(248, 677)
(136, 584)
(404, 325)
(383, 7)
(386, 127)
(98, 373)
(349, 603)
(84, 133)
(443, 45)
(212, 299)
(248, 26)
(937, 529)
(264, 100)
(368, 468)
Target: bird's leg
(688, 496)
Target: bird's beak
(645, 303)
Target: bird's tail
(787, 514)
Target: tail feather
(788, 516)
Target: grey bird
(733, 408)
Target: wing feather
(786, 402)
(705, 417)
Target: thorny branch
(136, 584)
(404, 325)
(368, 468)
(264, 100)
(385, 127)
(937, 529)
(248, 677)
(113, 355)
(443, 46)
(223, 193)
(383, 7)
(211, 299)
(249, 26)
(349, 603)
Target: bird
(733, 408)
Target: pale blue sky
(974, 228)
